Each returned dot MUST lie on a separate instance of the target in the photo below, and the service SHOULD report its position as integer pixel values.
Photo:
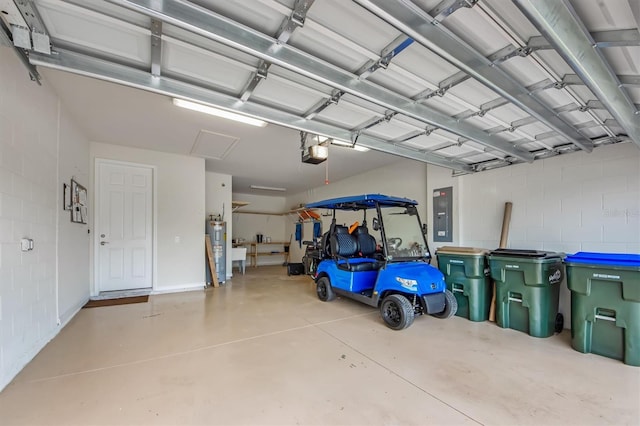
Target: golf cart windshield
(403, 231)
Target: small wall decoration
(79, 203)
(66, 197)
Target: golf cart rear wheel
(450, 306)
(397, 312)
(324, 290)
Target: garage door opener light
(218, 112)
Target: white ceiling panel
(425, 142)
(583, 93)
(253, 14)
(605, 15)
(634, 93)
(390, 130)
(97, 32)
(535, 129)
(392, 78)
(363, 104)
(558, 66)
(336, 50)
(523, 70)
(623, 60)
(513, 19)
(183, 59)
(423, 62)
(480, 123)
(509, 113)
(102, 7)
(343, 114)
(479, 158)
(554, 97)
(442, 104)
(454, 151)
(215, 48)
(352, 22)
(482, 35)
(285, 94)
(473, 92)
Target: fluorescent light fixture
(349, 145)
(218, 112)
(268, 188)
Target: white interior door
(124, 226)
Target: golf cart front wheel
(397, 312)
(324, 290)
(450, 306)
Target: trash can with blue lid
(527, 290)
(605, 304)
(467, 276)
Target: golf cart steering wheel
(394, 243)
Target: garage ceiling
(465, 84)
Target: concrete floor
(264, 350)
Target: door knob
(104, 242)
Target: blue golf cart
(387, 266)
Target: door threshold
(118, 294)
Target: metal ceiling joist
(211, 25)
(131, 77)
(387, 54)
(417, 24)
(295, 20)
(31, 16)
(6, 38)
(614, 38)
(560, 25)
(625, 80)
(323, 104)
(258, 76)
(498, 57)
(447, 7)
(156, 47)
(288, 26)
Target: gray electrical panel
(443, 214)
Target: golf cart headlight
(407, 283)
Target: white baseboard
(11, 371)
(179, 288)
(67, 316)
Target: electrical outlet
(26, 244)
(177, 239)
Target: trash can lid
(531, 254)
(462, 250)
(613, 259)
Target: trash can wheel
(559, 325)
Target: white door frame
(96, 209)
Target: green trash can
(467, 277)
(605, 304)
(527, 290)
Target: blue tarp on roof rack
(357, 202)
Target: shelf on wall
(235, 205)
(253, 253)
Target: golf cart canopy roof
(361, 202)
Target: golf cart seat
(345, 247)
(366, 242)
